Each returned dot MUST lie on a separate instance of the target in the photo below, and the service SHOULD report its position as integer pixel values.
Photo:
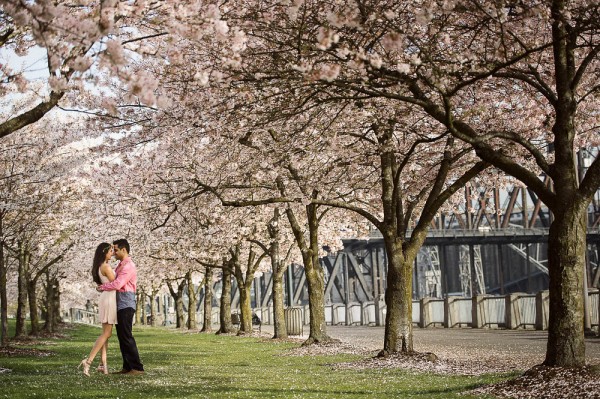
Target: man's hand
(98, 288)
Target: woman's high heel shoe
(102, 368)
(86, 367)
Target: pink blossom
(239, 40)
(221, 28)
(81, 63)
(114, 50)
(403, 68)
(329, 72)
(58, 83)
(326, 37)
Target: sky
(34, 64)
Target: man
(125, 284)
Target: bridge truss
(496, 244)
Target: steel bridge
(495, 244)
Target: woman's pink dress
(107, 305)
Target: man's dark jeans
(129, 351)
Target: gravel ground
(520, 349)
(507, 349)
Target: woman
(107, 307)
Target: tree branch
(31, 116)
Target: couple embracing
(116, 306)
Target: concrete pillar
(345, 265)
(290, 285)
(375, 284)
(450, 315)
(541, 310)
(424, 312)
(512, 314)
(257, 292)
(477, 311)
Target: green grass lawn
(185, 365)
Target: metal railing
(83, 316)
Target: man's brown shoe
(134, 372)
(123, 371)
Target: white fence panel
(494, 310)
(461, 312)
(416, 312)
(369, 314)
(329, 314)
(354, 314)
(595, 308)
(339, 314)
(526, 306)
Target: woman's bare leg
(101, 341)
(104, 358)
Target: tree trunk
(33, 307)
(566, 257)
(178, 298)
(316, 303)
(56, 303)
(49, 325)
(192, 303)
(398, 335)
(315, 281)
(21, 328)
(153, 308)
(3, 297)
(179, 311)
(245, 310)
(244, 282)
(567, 237)
(279, 326)
(140, 312)
(208, 297)
(225, 316)
(312, 268)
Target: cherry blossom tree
(416, 177)
(548, 65)
(397, 173)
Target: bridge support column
(511, 315)
(450, 315)
(425, 314)
(477, 312)
(443, 270)
(542, 306)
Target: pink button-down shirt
(126, 280)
